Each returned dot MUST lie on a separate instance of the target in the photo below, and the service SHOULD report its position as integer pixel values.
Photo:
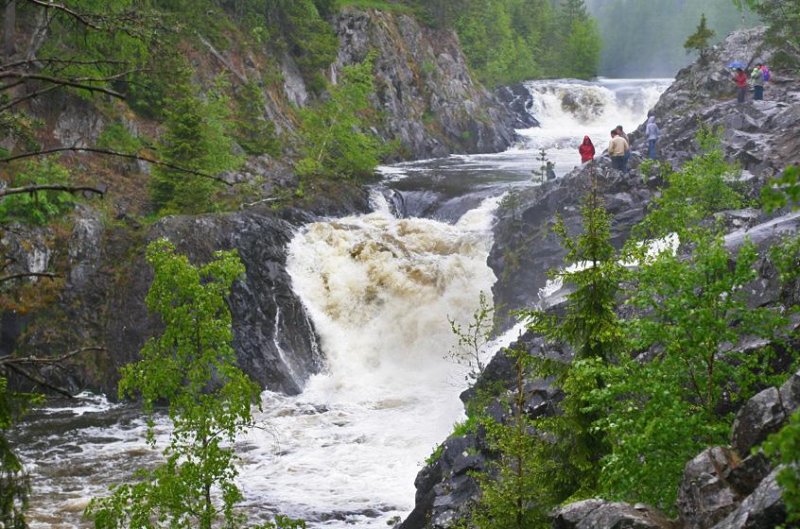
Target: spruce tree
(699, 40)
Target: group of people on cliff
(619, 148)
(758, 77)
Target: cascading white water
(379, 291)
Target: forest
(143, 65)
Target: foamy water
(379, 291)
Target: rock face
(104, 297)
(757, 134)
(588, 514)
(722, 487)
(760, 135)
(423, 86)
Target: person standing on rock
(740, 78)
(586, 150)
(757, 77)
(652, 133)
(617, 148)
(627, 156)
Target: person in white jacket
(652, 133)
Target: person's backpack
(765, 72)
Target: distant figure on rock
(740, 78)
(617, 148)
(551, 174)
(586, 150)
(627, 156)
(757, 77)
(652, 133)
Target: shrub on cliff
(334, 141)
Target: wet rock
(790, 394)
(747, 475)
(519, 99)
(705, 497)
(763, 509)
(590, 514)
(760, 416)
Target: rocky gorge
(432, 108)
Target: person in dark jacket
(586, 150)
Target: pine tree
(699, 40)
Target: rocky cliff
(430, 103)
(724, 487)
(429, 106)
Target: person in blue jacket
(652, 133)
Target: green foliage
(512, 490)
(657, 413)
(472, 338)
(783, 190)
(116, 137)
(700, 40)
(784, 448)
(333, 142)
(41, 206)
(192, 366)
(783, 18)
(589, 323)
(700, 188)
(14, 483)
(196, 139)
(308, 38)
(253, 131)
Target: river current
(380, 289)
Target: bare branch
(31, 95)
(38, 379)
(16, 363)
(24, 275)
(83, 19)
(50, 360)
(118, 154)
(48, 187)
(80, 83)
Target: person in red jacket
(740, 78)
(586, 150)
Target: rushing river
(380, 289)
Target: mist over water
(379, 289)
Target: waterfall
(379, 289)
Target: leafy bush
(334, 144)
(41, 206)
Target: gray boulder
(760, 416)
(764, 509)
(601, 514)
(704, 496)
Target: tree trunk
(9, 28)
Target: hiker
(652, 133)
(740, 78)
(586, 150)
(616, 150)
(757, 77)
(550, 172)
(627, 156)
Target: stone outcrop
(589, 514)
(723, 487)
(431, 104)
